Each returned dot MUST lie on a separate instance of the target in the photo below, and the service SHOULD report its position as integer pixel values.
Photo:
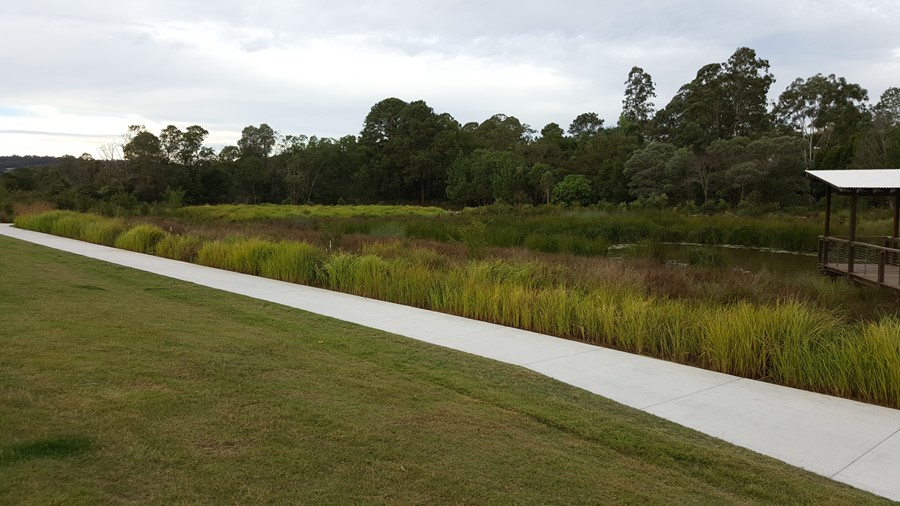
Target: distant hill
(15, 161)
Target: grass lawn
(121, 386)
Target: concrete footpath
(851, 442)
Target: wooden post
(825, 242)
(853, 199)
(895, 243)
(896, 216)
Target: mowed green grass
(120, 386)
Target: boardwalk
(873, 264)
(872, 260)
(867, 273)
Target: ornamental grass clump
(245, 255)
(70, 225)
(103, 231)
(372, 277)
(674, 332)
(179, 247)
(338, 272)
(413, 284)
(784, 342)
(799, 342)
(595, 317)
(866, 364)
(249, 255)
(142, 239)
(294, 262)
(735, 340)
(42, 222)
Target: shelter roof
(860, 179)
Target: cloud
(316, 67)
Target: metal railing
(862, 259)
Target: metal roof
(861, 179)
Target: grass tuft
(293, 262)
(142, 239)
(179, 247)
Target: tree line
(718, 142)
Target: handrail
(857, 243)
(861, 261)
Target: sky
(75, 74)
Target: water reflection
(738, 257)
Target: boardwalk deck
(867, 273)
(872, 264)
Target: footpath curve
(848, 441)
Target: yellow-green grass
(85, 227)
(244, 212)
(142, 239)
(179, 247)
(787, 342)
(117, 386)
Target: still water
(749, 259)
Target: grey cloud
(96, 55)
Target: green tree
(724, 100)
(484, 176)
(552, 147)
(501, 132)
(144, 156)
(781, 160)
(746, 81)
(257, 141)
(254, 174)
(637, 108)
(647, 173)
(874, 145)
(741, 178)
(888, 106)
(409, 149)
(602, 159)
(693, 117)
(826, 111)
(170, 143)
(585, 126)
(432, 144)
(677, 170)
(573, 189)
(543, 178)
(190, 150)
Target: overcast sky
(75, 74)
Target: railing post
(824, 248)
(881, 257)
(853, 209)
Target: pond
(749, 259)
